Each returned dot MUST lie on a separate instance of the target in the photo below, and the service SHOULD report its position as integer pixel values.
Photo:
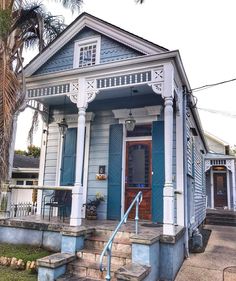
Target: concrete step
(71, 277)
(85, 268)
(107, 233)
(220, 221)
(99, 242)
(93, 255)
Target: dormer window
(87, 52)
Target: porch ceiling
(111, 99)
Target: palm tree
(22, 25)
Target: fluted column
(77, 192)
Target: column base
(75, 221)
(168, 229)
(76, 208)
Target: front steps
(221, 217)
(86, 266)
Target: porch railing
(108, 248)
(26, 208)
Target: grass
(9, 274)
(24, 252)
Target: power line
(225, 113)
(201, 88)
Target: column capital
(83, 91)
(169, 83)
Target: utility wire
(228, 114)
(201, 88)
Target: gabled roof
(22, 161)
(216, 139)
(101, 26)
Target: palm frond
(73, 5)
(34, 127)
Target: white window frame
(86, 42)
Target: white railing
(23, 205)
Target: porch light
(63, 126)
(130, 121)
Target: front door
(138, 176)
(220, 190)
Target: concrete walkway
(217, 263)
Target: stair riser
(99, 245)
(108, 233)
(88, 272)
(96, 258)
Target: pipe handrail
(138, 199)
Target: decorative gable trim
(100, 26)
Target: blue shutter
(115, 172)
(158, 169)
(69, 157)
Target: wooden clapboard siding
(195, 163)
(110, 51)
(51, 155)
(99, 148)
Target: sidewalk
(214, 264)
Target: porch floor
(37, 222)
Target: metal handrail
(138, 199)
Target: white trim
(180, 165)
(142, 115)
(83, 42)
(86, 165)
(228, 189)
(99, 26)
(42, 161)
(212, 189)
(123, 173)
(59, 159)
(25, 170)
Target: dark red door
(220, 190)
(138, 176)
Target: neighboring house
(24, 173)
(220, 175)
(96, 79)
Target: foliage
(97, 200)
(233, 150)
(32, 150)
(23, 24)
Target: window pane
(29, 182)
(138, 166)
(140, 130)
(19, 182)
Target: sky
(204, 33)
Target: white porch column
(77, 191)
(168, 192)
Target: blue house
(127, 123)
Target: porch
(154, 252)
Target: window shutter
(115, 172)
(158, 170)
(69, 157)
